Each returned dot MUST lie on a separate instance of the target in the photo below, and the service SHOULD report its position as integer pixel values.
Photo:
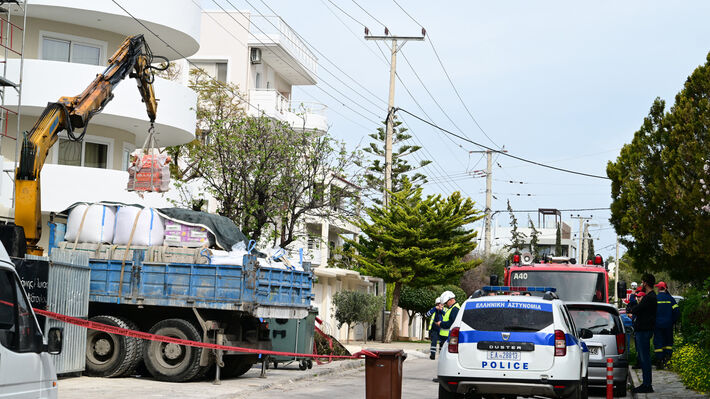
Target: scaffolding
(13, 19)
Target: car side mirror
(585, 333)
(55, 340)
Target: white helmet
(446, 296)
(633, 285)
(437, 300)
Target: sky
(557, 82)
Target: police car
(504, 342)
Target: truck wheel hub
(172, 351)
(102, 347)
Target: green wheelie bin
(295, 336)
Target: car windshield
(507, 316)
(599, 321)
(571, 286)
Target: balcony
(301, 115)
(178, 24)
(283, 50)
(46, 81)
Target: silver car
(608, 341)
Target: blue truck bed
(261, 291)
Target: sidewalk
(666, 384)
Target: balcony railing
(274, 28)
(308, 115)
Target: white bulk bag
(97, 227)
(149, 226)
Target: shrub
(695, 318)
(353, 307)
(692, 364)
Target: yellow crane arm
(133, 58)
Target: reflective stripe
(674, 306)
(658, 350)
(431, 321)
(668, 347)
(444, 332)
(660, 302)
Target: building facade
(267, 59)
(66, 44)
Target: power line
(433, 165)
(429, 93)
(405, 11)
(502, 153)
(168, 45)
(561, 210)
(366, 98)
(358, 37)
(448, 77)
(344, 12)
(371, 16)
(295, 69)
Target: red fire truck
(579, 283)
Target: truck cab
(579, 283)
(26, 368)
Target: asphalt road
(416, 384)
(338, 380)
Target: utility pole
(390, 103)
(581, 219)
(489, 200)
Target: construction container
(383, 374)
(295, 336)
(68, 294)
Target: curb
(345, 365)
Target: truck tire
(173, 362)
(111, 355)
(235, 366)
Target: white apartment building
(266, 59)
(66, 43)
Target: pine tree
(374, 176)
(590, 252)
(657, 194)
(534, 238)
(517, 239)
(558, 240)
(416, 241)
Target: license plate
(498, 355)
(595, 350)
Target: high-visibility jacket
(667, 311)
(434, 315)
(448, 320)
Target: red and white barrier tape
(161, 338)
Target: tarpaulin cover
(225, 231)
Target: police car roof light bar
(508, 288)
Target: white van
(26, 369)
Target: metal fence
(68, 294)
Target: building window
(257, 81)
(215, 69)
(313, 243)
(88, 153)
(126, 156)
(67, 50)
